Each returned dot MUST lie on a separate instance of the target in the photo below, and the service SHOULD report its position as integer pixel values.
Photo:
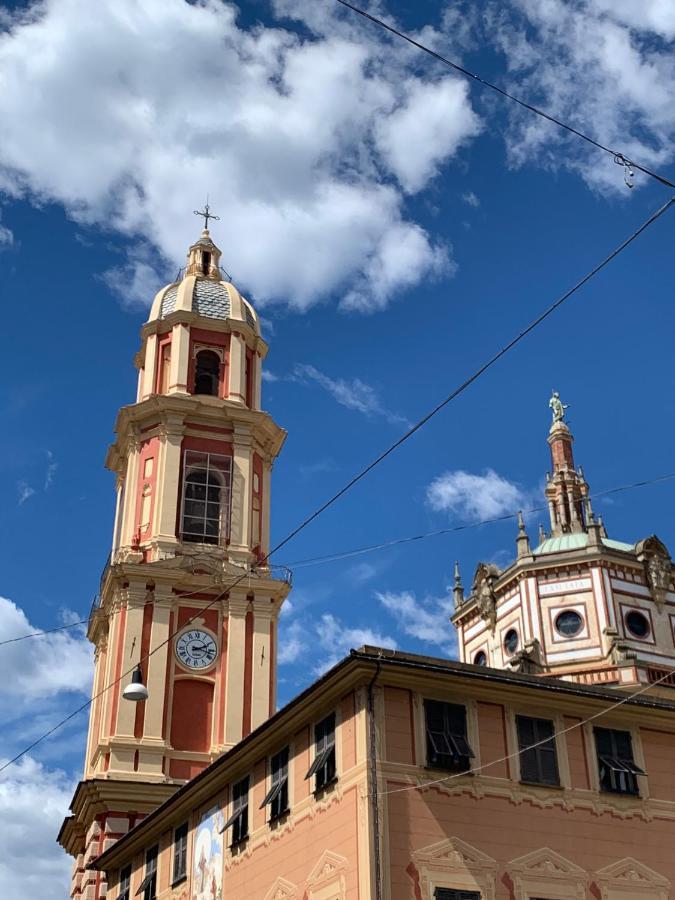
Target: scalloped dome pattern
(211, 299)
(169, 301)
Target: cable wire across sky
(618, 156)
(368, 468)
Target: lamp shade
(136, 690)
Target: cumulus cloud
(352, 393)
(426, 620)
(471, 199)
(308, 141)
(33, 803)
(625, 99)
(25, 491)
(57, 662)
(474, 496)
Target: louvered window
(616, 766)
(148, 887)
(125, 883)
(538, 763)
(447, 744)
(452, 894)
(238, 820)
(180, 853)
(323, 766)
(277, 796)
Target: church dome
(201, 289)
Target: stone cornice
(224, 326)
(171, 411)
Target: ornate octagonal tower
(186, 593)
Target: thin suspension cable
(350, 484)
(494, 762)
(619, 157)
(358, 551)
(335, 557)
(36, 634)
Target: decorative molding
(327, 881)
(631, 880)
(282, 890)
(546, 873)
(452, 863)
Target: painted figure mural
(207, 876)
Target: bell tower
(186, 593)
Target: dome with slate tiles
(201, 289)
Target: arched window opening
(205, 515)
(206, 262)
(207, 373)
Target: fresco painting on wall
(207, 877)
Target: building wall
(490, 833)
(318, 851)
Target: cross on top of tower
(206, 214)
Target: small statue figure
(558, 407)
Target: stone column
(135, 597)
(236, 645)
(180, 359)
(150, 370)
(130, 490)
(237, 387)
(260, 688)
(241, 490)
(167, 501)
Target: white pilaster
(260, 688)
(236, 647)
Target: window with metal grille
(125, 884)
(148, 887)
(180, 838)
(207, 491)
(538, 764)
(238, 820)
(616, 766)
(453, 894)
(207, 373)
(277, 796)
(323, 766)
(447, 744)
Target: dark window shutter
(538, 756)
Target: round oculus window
(569, 623)
(480, 659)
(637, 624)
(511, 640)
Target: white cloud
(625, 97)
(444, 114)
(268, 376)
(471, 199)
(25, 491)
(426, 620)
(337, 640)
(297, 136)
(6, 236)
(474, 496)
(353, 393)
(44, 666)
(33, 803)
(52, 466)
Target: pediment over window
(329, 866)
(546, 873)
(282, 890)
(453, 852)
(629, 878)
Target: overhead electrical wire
(620, 158)
(360, 475)
(385, 545)
(358, 551)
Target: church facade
(537, 767)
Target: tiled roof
(211, 299)
(169, 301)
(576, 542)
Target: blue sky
(394, 227)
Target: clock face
(196, 649)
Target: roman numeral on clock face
(196, 649)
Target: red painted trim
(257, 497)
(208, 445)
(212, 428)
(145, 648)
(149, 450)
(249, 377)
(248, 673)
(160, 361)
(222, 675)
(217, 340)
(118, 669)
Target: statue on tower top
(558, 407)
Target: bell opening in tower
(206, 262)
(207, 373)
(205, 517)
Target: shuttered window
(125, 883)
(148, 887)
(538, 763)
(238, 820)
(616, 766)
(180, 853)
(277, 796)
(323, 766)
(447, 745)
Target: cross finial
(207, 215)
